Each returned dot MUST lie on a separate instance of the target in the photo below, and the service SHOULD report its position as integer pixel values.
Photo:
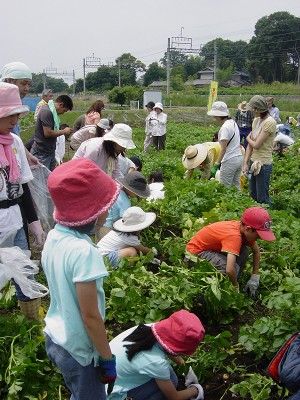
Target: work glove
(214, 170)
(200, 395)
(108, 373)
(191, 378)
(36, 229)
(252, 285)
(154, 251)
(156, 261)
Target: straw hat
(243, 106)
(194, 156)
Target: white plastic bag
(15, 264)
(7, 238)
(41, 197)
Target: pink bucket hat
(81, 192)
(181, 333)
(10, 101)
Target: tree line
(272, 54)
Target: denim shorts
(113, 258)
(83, 382)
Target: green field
(242, 334)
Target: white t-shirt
(156, 191)
(114, 241)
(284, 139)
(10, 218)
(230, 132)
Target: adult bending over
(105, 151)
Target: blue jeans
(20, 240)
(296, 396)
(150, 390)
(46, 159)
(244, 132)
(259, 185)
(84, 382)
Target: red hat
(259, 219)
(81, 192)
(181, 333)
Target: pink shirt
(93, 149)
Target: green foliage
(255, 386)
(56, 84)
(25, 370)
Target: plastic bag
(15, 264)
(41, 197)
(7, 238)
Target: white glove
(252, 285)
(156, 261)
(37, 231)
(154, 251)
(200, 395)
(191, 378)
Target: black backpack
(284, 369)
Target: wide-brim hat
(158, 105)
(258, 104)
(259, 219)
(134, 219)
(10, 101)
(122, 135)
(219, 109)
(243, 106)
(103, 123)
(81, 192)
(136, 183)
(181, 333)
(194, 156)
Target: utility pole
(44, 79)
(215, 61)
(119, 71)
(90, 62)
(180, 44)
(168, 67)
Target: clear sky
(60, 33)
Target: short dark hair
(137, 161)
(65, 100)
(156, 176)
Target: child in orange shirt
(224, 244)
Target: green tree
(192, 65)
(224, 75)
(154, 73)
(228, 53)
(273, 53)
(37, 84)
(176, 58)
(117, 95)
(128, 67)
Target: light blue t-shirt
(146, 365)
(117, 210)
(69, 257)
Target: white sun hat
(194, 156)
(134, 219)
(158, 105)
(219, 109)
(122, 135)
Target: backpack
(284, 368)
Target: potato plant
(240, 330)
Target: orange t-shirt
(222, 236)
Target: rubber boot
(31, 308)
